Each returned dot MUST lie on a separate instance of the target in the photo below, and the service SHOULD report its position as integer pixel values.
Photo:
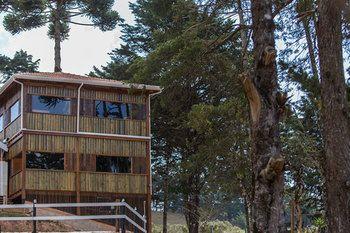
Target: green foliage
(217, 226)
(21, 62)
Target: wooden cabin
(74, 138)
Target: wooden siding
(2, 135)
(113, 96)
(49, 122)
(118, 183)
(13, 128)
(50, 180)
(113, 147)
(15, 149)
(15, 183)
(52, 91)
(113, 126)
(51, 143)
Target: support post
(34, 215)
(123, 210)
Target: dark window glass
(113, 164)
(38, 160)
(1, 123)
(112, 110)
(52, 105)
(138, 111)
(15, 111)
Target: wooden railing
(113, 183)
(13, 128)
(50, 122)
(113, 126)
(37, 179)
(15, 183)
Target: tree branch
(82, 24)
(281, 7)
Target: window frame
(2, 122)
(10, 111)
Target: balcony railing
(37, 179)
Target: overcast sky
(85, 47)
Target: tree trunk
(165, 206)
(266, 106)
(57, 36)
(334, 115)
(306, 25)
(292, 215)
(192, 216)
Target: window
(15, 111)
(112, 110)
(113, 164)
(51, 105)
(1, 123)
(38, 160)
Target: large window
(1, 123)
(51, 105)
(38, 160)
(15, 111)
(113, 164)
(112, 110)
(116, 110)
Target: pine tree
(21, 62)
(58, 15)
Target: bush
(218, 227)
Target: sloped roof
(78, 79)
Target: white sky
(85, 47)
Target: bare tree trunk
(192, 205)
(165, 206)
(334, 115)
(57, 36)
(266, 106)
(306, 25)
(292, 216)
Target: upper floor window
(15, 111)
(51, 105)
(1, 123)
(38, 160)
(113, 164)
(112, 110)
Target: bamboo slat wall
(51, 122)
(15, 183)
(113, 147)
(118, 183)
(2, 135)
(52, 91)
(113, 96)
(51, 143)
(50, 180)
(13, 128)
(15, 149)
(113, 126)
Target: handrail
(75, 217)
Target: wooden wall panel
(49, 122)
(118, 183)
(50, 180)
(113, 126)
(139, 165)
(15, 149)
(113, 96)
(15, 183)
(13, 128)
(52, 91)
(51, 143)
(113, 147)
(2, 135)
(87, 162)
(69, 161)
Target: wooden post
(148, 168)
(77, 174)
(34, 215)
(117, 220)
